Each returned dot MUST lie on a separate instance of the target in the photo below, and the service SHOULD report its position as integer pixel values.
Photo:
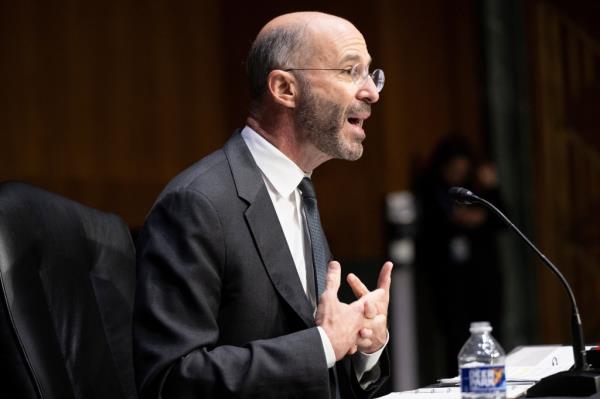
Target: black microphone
(463, 196)
(580, 380)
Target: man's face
(331, 107)
(324, 121)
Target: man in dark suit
(232, 299)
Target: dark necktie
(317, 237)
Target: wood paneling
(105, 101)
(568, 167)
(429, 50)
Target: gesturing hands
(374, 335)
(361, 324)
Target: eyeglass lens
(378, 78)
(361, 73)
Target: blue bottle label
(482, 379)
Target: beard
(322, 121)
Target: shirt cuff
(328, 349)
(364, 362)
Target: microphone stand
(581, 380)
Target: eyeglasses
(358, 73)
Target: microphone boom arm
(576, 326)
(581, 380)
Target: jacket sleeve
(181, 266)
(350, 387)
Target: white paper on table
(532, 363)
(525, 365)
(512, 391)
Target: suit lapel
(266, 229)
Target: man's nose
(368, 91)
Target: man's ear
(283, 88)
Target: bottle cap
(480, 326)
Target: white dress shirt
(282, 176)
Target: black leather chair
(67, 279)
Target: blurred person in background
(458, 272)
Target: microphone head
(462, 195)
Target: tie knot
(307, 188)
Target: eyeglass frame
(350, 70)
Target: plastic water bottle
(481, 365)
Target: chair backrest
(67, 280)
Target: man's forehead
(339, 44)
(355, 58)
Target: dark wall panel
(105, 101)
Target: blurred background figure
(458, 272)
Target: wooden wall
(566, 82)
(105, 101)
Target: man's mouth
(358, 114)
(356, 121)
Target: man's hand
(373, 335)
(342, 322)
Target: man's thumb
(334, 273)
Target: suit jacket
(220, 310)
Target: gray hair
(271, 50)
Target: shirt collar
(281, 172)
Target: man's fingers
(370, 310)
(384, 281)
(358, 288)
(385, 277)
(373, 337)
(375, 296)
(334, 272)
(353, 349)
(365, 332)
